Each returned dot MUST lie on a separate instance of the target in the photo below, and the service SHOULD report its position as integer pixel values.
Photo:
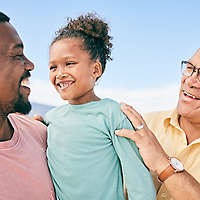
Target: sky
(150, 38)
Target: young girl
(86, 159)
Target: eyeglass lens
(188, 69)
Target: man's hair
(4, 18)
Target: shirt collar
(172, 118)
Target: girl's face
(72, 72)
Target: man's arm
(181, 186)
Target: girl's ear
(97, 69)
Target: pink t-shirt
(23, 167)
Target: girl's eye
(70, 63)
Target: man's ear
(97, 69)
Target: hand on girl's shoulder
(39, 118)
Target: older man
(23, 170)
(178, 132)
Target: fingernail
(125, 106)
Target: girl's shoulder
(55, 112)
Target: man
(178, 132)
(23, 169)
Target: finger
(128, 134)
(133, 116)
(129, 109)
(38, 117)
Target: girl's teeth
(64, 85)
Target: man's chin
(22, 106)
(183, 110)
(188, 112)
(23, 109)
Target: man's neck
(6, 129)
(191, 129)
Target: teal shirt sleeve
(137, 177)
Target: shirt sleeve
(137, 177)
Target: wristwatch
(175, 166)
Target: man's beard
(21, 105)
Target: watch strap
(171, 169)
(165, 174)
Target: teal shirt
(86, 159)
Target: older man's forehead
(195, 59)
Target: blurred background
(150, 38)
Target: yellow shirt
(166, 128)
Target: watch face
(176, 164)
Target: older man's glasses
(188, 69)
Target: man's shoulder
(26, 123)
(155, 120)
(27, 127)
(21, 118)
(157, 115)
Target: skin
(14, 67)
(71, 66)
(181, 186)
(189, 108)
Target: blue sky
(150, 38)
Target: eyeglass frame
(195, 69)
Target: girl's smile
(72, 72)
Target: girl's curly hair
(94, 32)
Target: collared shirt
(166, 128)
